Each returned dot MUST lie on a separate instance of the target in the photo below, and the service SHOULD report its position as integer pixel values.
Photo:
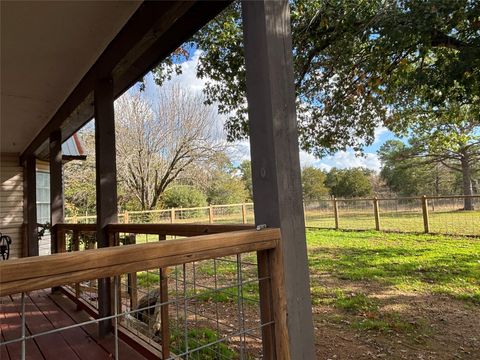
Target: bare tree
(159, 139)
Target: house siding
(11, 201)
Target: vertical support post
(210, 214)
(172, 216)
(76, 247)
(244, 213)
(30, 205)
(277, 189)
(165, 327)
(106, 185)
(426, 222)
(335, 213)
(132, 280)
(376, 213)
(126, 217)
(57, 213)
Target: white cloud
(347, 159)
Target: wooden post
(426, 223)
(277, 189)
(30, 205)
(57, 212)
(125, 217)
(172, 216)
(165, 328)
(210, 214)
(244, 213)
(376, 213)
(132, 280)
(106, 185)
(76, 247)
(335, 213)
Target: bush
(183, 196)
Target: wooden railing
(204, 242)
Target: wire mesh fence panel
(225, 214)
(402, 215)
(320, 214)
(249, 214)
(192, 215)
(447, 216)
(355, 214)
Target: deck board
(11, 329)
(79, 340)
(45, 311)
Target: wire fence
(429, 214)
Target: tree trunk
(467, 183)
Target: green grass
(433, 263)
(199, 337)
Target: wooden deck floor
(45, 311)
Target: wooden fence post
(125, 217)
(426, 223)
(210, 214)
(244, 213)
(335, 211)
(377, 213)
(172, 216)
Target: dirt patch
(404, 325)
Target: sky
(240, 150)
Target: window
(43, 197)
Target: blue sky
(241, 150)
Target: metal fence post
(377, 213)
(426, 223)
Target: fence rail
(429, 214)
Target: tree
(348, 183)
(79, 180)
(450, 139)
(357, 64)
(246, 174)
(226, 186)
(313, 183)
(411, 176)
(158, 140)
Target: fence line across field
(428, 214)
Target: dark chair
(5, 242)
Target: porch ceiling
(46, 49)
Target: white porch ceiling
(46, 49)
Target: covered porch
(145, 290)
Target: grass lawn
(438, 264)
(402, 291)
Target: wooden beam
(56, 182)
(57, 269)
(106, 184)
(155, 30)
(277, 190)
(30, 206)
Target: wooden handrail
(27, 274)
(177, 229)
